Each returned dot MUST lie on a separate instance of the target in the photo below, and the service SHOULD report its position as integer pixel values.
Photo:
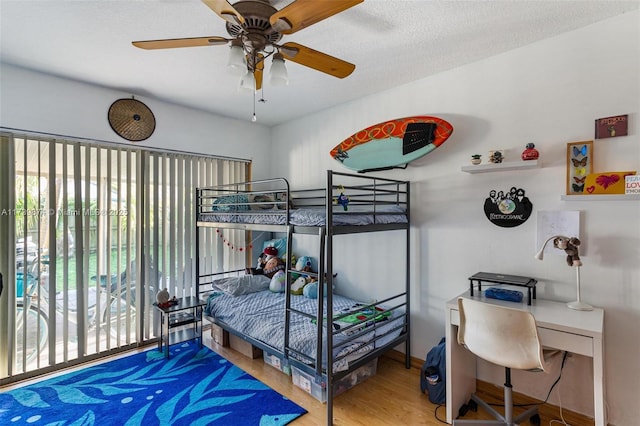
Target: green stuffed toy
(297, 288)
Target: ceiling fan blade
(303, 13)
(180, 42)
(225, 11)
(259, 71)
(316, 60)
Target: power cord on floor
(562, 421)
(435, 413)
(564, 358)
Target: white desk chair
(506, 337)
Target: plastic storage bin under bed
(317, 387)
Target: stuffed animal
(297, 288)
(273, 265)
(268, 253)
(278, 282)
(301, 264)
(304, 264)
(311, 289)
(342, 199)
(570, 246)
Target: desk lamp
(561, 243)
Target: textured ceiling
(391, 43)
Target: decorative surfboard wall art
(392, 144)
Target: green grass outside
(93, 266)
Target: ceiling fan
(255, 28)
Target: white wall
(36, 102)
(548, 93)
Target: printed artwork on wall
(507, 208)
(579, 165)
(610, 127)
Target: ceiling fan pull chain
(254, 118)
(262, 99)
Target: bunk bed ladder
(287, 291)
(407, 349)
(329, 278)
(319, 314)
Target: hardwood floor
(391, 397)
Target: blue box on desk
(503, 294)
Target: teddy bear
(570, 246)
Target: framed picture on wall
(579, 165)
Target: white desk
(579, 332)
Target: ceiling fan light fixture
(236, 62)
(247, 82)
(278, 75)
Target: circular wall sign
(131, 119)
(507, 208)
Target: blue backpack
(433, 374)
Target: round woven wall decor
(131, 119)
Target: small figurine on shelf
(530, 153)
(496, 157)
(476, 159)
(163, 299)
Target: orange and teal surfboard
(392, 144)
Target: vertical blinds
(99, 230)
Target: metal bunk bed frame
(326, 235)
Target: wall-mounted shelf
(502, 167)
(600, 197)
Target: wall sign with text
(610, 127)
(507, 208)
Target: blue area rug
(194, 387)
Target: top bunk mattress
(353, 200)
(312, 216)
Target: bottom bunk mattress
(260, 315)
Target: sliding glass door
(94, 232)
